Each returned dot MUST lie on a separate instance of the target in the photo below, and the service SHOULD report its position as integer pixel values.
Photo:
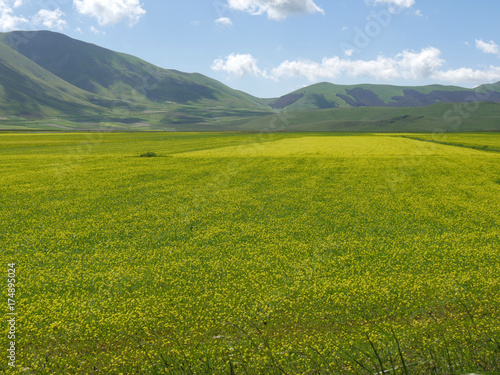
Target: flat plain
(253, 253)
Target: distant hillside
(27, 89)
(113, 75)
(327, 95)
(50, 81)
(442, 117)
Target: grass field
(238, 253)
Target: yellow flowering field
(231, 253)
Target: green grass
(439, 119)
(252, 253)
(474, 141)
(436, 118)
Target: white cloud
(224, 21)
(50, 19)
(490, 47)
(396, 5)
(111, 11)
(420, 66)
(97, 31)
(468, 75)
(349, 52)
(275, 9)
(406, 65)
(238, 65)
(9, 21)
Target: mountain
(49, 80)
(28, 89)
(62, 76)
(441, 117)
(327, 95)
(117, 75)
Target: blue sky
(271, 47)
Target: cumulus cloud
(224, 21)
(50, 19)
(238, 65)
(468, 75)
(396, 5)
(490, 47)
(9, 21)
(422, 65)
(111, 11)
(275, 9)
(406, 65)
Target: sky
(269, 48)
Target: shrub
(148, 155)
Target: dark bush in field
(148, 155)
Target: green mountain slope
(28, 89)
(442, 117)
(121, 76)
(48, 80)
(327, 95)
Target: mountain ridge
(47, 75)
(326, 95)
(116, 75)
